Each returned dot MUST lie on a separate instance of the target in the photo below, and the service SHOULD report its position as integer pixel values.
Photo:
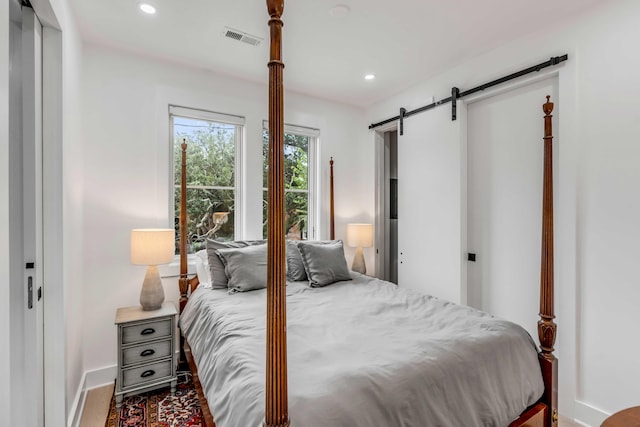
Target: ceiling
(402, 42)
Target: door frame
(381, 223)
(15, 308)
(55, 328)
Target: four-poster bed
(538, 411)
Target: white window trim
(312, 210)
(210, 116)
(239, 122)
(295, 129)
(312, 184)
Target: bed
(359, 352)
(363, 353)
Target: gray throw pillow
(295, 266)
(246, 267)
(216, 267)
(324, 262)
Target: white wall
(596, 217)
(127, 176)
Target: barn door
(430, 189)
(505, 154)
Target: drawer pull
(147, 352)
(148, 331)
(148, 373)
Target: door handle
(30, 292)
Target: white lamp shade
(152, 246)
(360, 235)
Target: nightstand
(146, 350)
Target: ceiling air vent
(242, 36)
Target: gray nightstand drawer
(146, 331)
(148, 373)
(146, 352)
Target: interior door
(430, 187)
(504, 190)
(32, 217)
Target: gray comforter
(363, 353)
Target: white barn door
(430, 216)
(504, 190)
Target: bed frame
(542, 414)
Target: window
(299, 181)
(213, 173)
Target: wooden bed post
(546, 325)
(276, 396)
(332, 234)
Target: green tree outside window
(296, 182)
(211, 149)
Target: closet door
(505, 155)
(430, 170)
(32, 221)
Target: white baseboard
(78, 403)
(589, 415)
(90, 379)
(101, 377)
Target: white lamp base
(358, 261)
(152, 293)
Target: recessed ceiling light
(369, 77)
(147, 8)
(339, 10)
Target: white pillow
(202, 269)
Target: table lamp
(359, 236)
(150, 247)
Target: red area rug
(159, 409)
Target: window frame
(312, 169)
(211, 116)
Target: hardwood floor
(96, 409)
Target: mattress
(362, 353)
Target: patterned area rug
(158, 408)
